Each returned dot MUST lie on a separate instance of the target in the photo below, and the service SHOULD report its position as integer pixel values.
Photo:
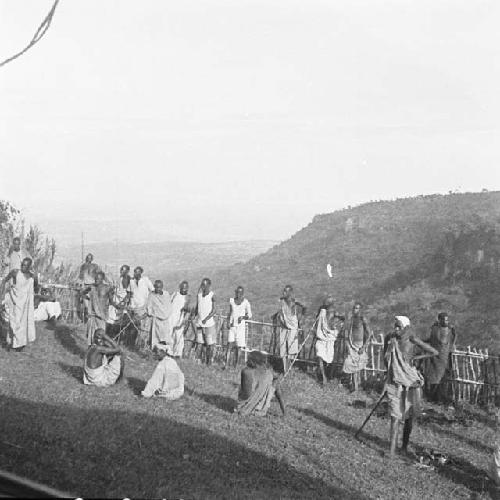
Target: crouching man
(104, 362)
(404, 382)
(258, 387)
(167, 380)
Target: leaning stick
(370, 414)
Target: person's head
(206, 283)
(183, 287)
(99, 278)
(356, 309)
(138, 272)
(329, 304)
(288, 292)
(89, 258)
(239, 293)
(124, 270)
(164, 350)
(158, 286)
(16, 244)
(401, 322)
(26, 265)
(443, 319)
(99, 336)
(256, 359)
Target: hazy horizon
(216, 121)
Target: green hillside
(414, 256)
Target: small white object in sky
(329, 270)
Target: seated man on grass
(47, 308)
(104, 362)
(258, 386)
(167, 380)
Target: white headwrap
(404, 320)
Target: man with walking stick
(404, 383)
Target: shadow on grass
(342, 426)
(75, 371)
(461, 471)
(121, 453)
(222, 402)
(66, 337)
(460, 435)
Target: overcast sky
(242, 119)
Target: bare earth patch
(109, 442)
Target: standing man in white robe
(179, 317)
(239, 312)
(20, 304)
(140, 287)
(329, 323)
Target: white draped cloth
(167, 380)
(176, 320)
(47, 310)
(325, 338)
(20, 303)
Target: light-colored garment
(206, 335)
(105, 375)
(159, 308)
(47, 310)
(289, 331)
(98, 311)
(403, 401)
(237, 331)
(114, 314)
(325, 338)
(20, 302)
(205, 305)
(140, 292)
(356, 361)
(167, 381)
(176, 321)
(257, 397)
(404, 381)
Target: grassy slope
(93, 442)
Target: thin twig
(40, 32)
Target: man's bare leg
(408, 426)
(208, 354)
(279, 397)
(236, 355)
(394, 436)
(228, 354)
(122, 368)
(356, 381)
(321, 369)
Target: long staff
(370, 414)
(301, 347)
